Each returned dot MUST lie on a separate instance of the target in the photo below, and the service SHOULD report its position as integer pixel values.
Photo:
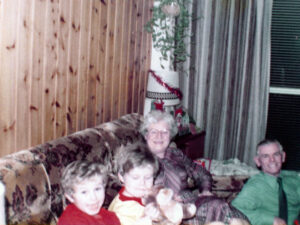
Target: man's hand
(278, 221)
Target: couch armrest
(27, 195)
(227, 187)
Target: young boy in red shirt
(84, 184)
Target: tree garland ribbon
(175, 91)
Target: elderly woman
(176, 170)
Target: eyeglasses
(163, 133)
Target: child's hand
(152, 212)
(177, 198)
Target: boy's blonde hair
(80, 170)
(134, 156)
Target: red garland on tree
(175, 91)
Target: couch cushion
(27, 191)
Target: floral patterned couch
(32, 176)
(229, 176)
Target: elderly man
(260, 197)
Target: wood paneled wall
(66, 65)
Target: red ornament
(178, 111)
(159, 105)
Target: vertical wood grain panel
(117, 59)
(93, 68)
(108, 60)
(23, 74)
(68, 65)
(98, 79)
(62, 68)
(137, 67)
(36, 91)
(124, 58)
(72, 89)
(102, 55)
(50, 70)
(8, 37)
(131, 56)
(83, 62)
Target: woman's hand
(205, 193)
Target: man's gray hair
(267, 142)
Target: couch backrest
(98, 144)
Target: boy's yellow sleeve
(129, 212)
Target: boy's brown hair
(135, 156)
(80, 170)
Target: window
(284, 100)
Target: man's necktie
(283, 208)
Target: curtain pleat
(229, 82)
